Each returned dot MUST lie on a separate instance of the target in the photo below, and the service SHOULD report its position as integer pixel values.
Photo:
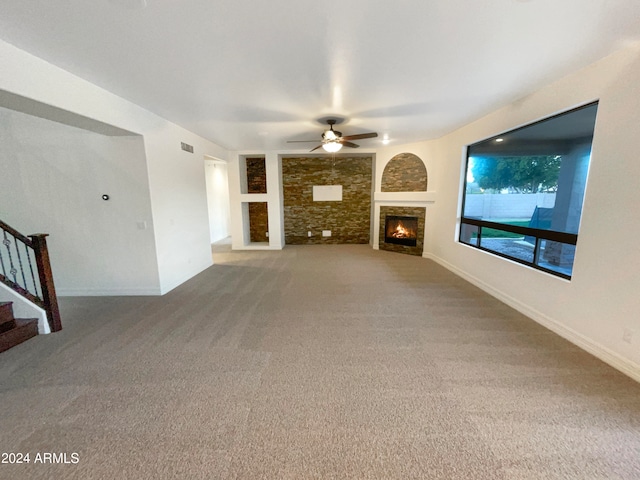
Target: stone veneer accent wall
(258, 222)
(419, 212)
(348, 220)
(404, 173)
(256, 175)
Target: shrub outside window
(524, 191)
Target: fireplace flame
(401, 232)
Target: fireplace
(401, 230)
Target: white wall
(53, 178)
(601, 301)
(217, 199)
(176, 178)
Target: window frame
(538, 234)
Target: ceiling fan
(333, 141)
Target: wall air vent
(186, 147)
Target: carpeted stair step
(25, 329)
(7, 321)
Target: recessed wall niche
(405, 172)
(258, 222)
(253, 175)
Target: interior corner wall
(175, 178)
(600, 303)
(53, 178)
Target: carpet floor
(314, 362)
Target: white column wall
(275, 200)
(217, 199)
(238, 219)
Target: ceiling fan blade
(319, 146)
(349, 144)
(360, 136)
(301, 141)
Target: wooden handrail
(15, 233)
(38, 243)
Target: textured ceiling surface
(252, 75)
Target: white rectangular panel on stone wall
(327, 193)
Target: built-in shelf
(260, 246)
(254, 197)
(254, 175)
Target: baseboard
(132, 291)
(107, 292)
(608, 356)
(257, 246)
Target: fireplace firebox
(401, 230)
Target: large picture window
(524, 191)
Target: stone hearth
(402, 212)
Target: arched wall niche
(405, 172)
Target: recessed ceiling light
(499, 140)
(385, 139)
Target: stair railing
(26, 269)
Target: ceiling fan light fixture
(332, 146)
(329, 135)
(333, 141)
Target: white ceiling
(250, 74)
